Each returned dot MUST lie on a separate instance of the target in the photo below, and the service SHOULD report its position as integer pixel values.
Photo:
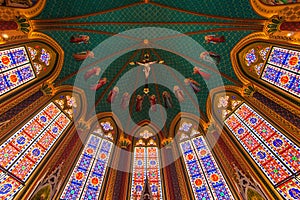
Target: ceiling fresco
(101, 20)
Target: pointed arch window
(146, 165)
(270, 65)
(86, 180)
(26, 148)
(275, 154)
(205, 177)
(25, 64)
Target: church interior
(149, 99)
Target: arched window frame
(222, 109)
(247, 72)
(54, 67)
(94, 178)
(190, 135)
(147, 138)
(37, 141)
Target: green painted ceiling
(163, 11)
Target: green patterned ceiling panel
(101, 27)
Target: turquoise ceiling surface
(136, 14)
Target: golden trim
(21, 95)
(28, 12)
(267, 11)
(234, 55)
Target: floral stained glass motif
(45, 57)
(25, 149)
(282, 70)
(251, 57)
(290, 190)
(275, 154)
(283, 148)
(153, 172)
(33, 52)
(15, 69)
(12, 58)
(87, 177)
(205, 177)
(263, 53)
(146, 156)
(14, 78)
(213, 175)
(197, 179)
(138, 173)
(8, 186)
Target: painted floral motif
(185, 126)
(251, 57)
(223, 102)
(107, 126)
(45, 57)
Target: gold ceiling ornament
(289, 11)
(48, 89)
(82, 125)
(124, 142)
(167, 142)
(248, 90)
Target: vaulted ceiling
(103, 19)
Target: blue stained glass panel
(197, 179)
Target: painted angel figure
(112, 94)
(92, 72)
(152, 100)
(193, 84)
(214, 39)
(125, 100)
(198, 70)
(83, 55)
(211, 57)
(178, 93)
(167, 99)
(139, 103)
(79, 39)
(99, 84)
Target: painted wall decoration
(22, 153)
(279, 2)
(276, 155)
(24, 64)
(146, 163)
(18, 3)
(205, 177)
(87, 177)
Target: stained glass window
(24, 150)
(205, 177)
(282, 70)
(87, 177)
(15, 69)
(276, 155)
(146, 163)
